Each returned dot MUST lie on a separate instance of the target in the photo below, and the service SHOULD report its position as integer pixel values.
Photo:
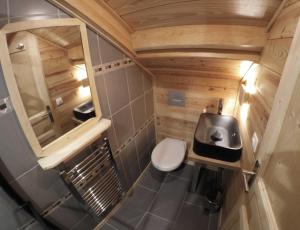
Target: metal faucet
(220, 106)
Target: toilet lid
(168, 154)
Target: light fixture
(250, 79)
(80, 72)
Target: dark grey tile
(185, 171)
(195, 199)
(133, 209)
(144, 161)
(130, 162)
(87, 223)
(42, 187)
(94, 48)
(122, 122)
(16, 155)
(67, 214)
(3, 9)
(142, 144)
(135, 81)
(151, 130)
(122, 172)
(191, 217)
(101, 92)
(114, 145)
(108, 227)
(34, 17)
(139, 112)
(3, 88)
(11, 215)
(117, 89)
(170, 198)
(148, 81)
(149, 104)
(35, 226)
(213, 221)
(17, 8)
(108, 52)
(151, 222)
(152, 178)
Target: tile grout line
(179, 211)
(149, 189)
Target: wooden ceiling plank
(232, 37)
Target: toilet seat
(168, 154)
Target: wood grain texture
(160, 13)
(232, 37)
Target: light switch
(59, 101)
(254, 141)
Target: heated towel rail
(95, 180)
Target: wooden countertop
(213, 162)
(75, 146)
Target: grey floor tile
(87, 223)
(152, 178)
(184, 171)
(195, 199)
(108, 227)
(151, 222)
(213, 221)
(170, 198)
(133, 209)
(192, 218)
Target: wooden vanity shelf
(212, 162)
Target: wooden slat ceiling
(145, 14)
(197, 67)
(63, 36)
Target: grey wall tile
(148, 81)
(42, 187)
(123, 124)
(149, 104)
(135, 81)
(138, 112)
(108, 52)
(129, 159)
(3, 9)
(151, 130)
(87, 223)
(112, 137)
(11, 215)
(16, 154)
(122, 172)
(67, 214)
(101, 91)
(17, 8)
(94, 49)
(142, 145)
(3, 22)
(3, 89)
(117, 89)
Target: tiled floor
(161, 201)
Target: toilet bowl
(168, 155)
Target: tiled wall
(126, 97)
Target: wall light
(80, 72)
(84, 91)
(250, 79)
(244, 111)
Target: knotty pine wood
(160, 13)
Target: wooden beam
(232, 37)
(233, 55)
(276, 15)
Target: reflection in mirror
(51, 75)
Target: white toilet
(168, 155)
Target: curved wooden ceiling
(145, 14)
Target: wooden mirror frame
(66, 142)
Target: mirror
(52, 72)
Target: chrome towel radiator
(95, 181)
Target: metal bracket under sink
(249, 176)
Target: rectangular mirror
(51, 69)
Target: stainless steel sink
(218, 136)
